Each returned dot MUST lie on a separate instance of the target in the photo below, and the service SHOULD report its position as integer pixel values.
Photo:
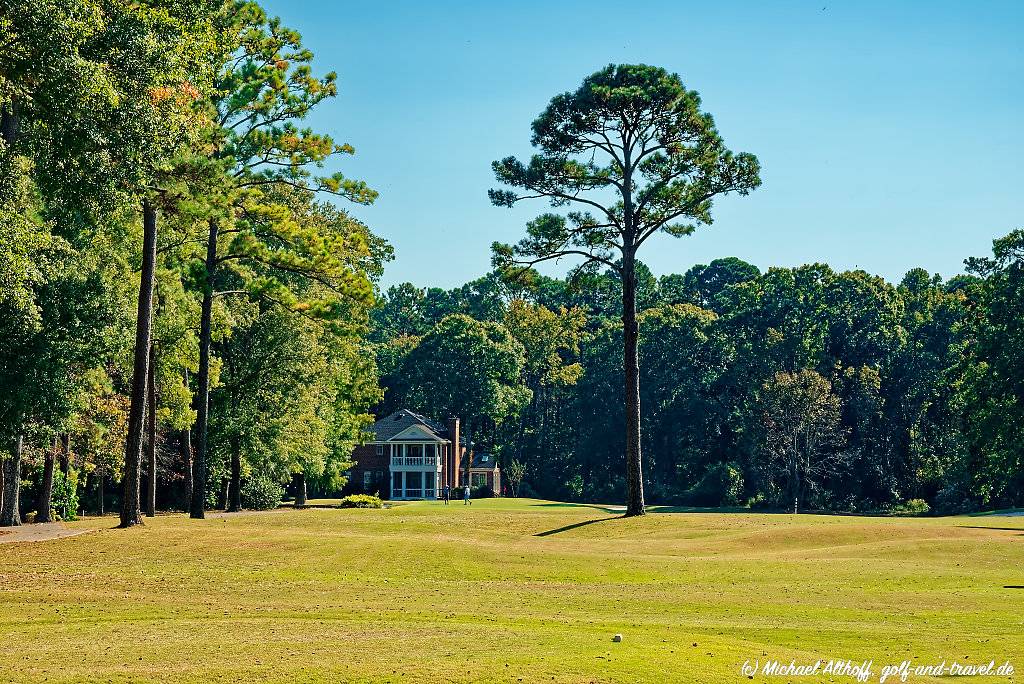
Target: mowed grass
(506, 591)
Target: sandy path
(37, 532)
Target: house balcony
(433, 462)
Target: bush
(573, 488)
(525, 491)
(261, 493)
(954, 500)
(605, 490)
(64, 500)
(361, 501)
(721, 485)
(912, 507)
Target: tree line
(801, 388)
(182, 310)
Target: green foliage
(466, 368)
(574, 488)
(64, 502)
(483, 492)
(361, 501)
(915, 409)
(995, 394)
(514, 473)
(721, 485)
(633, 155)
(663, 162)
(261, 493)
(912, 507)
(802, 435)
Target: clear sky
(889, 133)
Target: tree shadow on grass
(1002, 529)
(566, 528)
(612, 508)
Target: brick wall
(367, 460)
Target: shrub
(721, 485)
(954, 500)
(525, 491)
(912, 507)
(604, 490)
(484, 492)
(261, 493)
(573, 488)
(64, 500)
(361, 501)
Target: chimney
(452, 463)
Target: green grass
(506, 591)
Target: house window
(478, 480)
(367, 479)
(415, 450)
(396, 483)
(380, 449)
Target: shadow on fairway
(610, 508)
(573, 526)
(1002, 529)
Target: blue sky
(889, 134)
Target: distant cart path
(37, 532)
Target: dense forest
(190, 318)
(838, 389)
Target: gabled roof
(418, 433)
(400, 421)
(484, 461)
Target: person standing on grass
(465, 496)
(447, 493)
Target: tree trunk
(796, 488)
(46, 486)
(131, 513)
(631, 365)
(235, 504)
(10, 122)
(151, 437)
(202, 398)
(83, 490)
(10, 514)
(222, 497)
(300, 489)
(185, 444)
(102, 480)
(65, 454)
(793, 476)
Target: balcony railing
(416, 461)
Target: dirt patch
(37, 532)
